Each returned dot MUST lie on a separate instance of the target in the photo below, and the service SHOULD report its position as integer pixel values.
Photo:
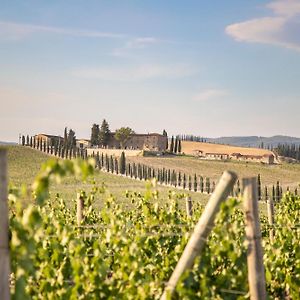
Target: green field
(287, 174)
(24, 164)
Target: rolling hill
(254, 141)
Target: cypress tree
(41, 145)
(102, 160)
(116, 166)
(27, 140)
(259, 187)
(179, 179)
(201, 184)
(190, 182)
(273, 194)
(195, 183)
(184, 181)
(37, 143)
(123, 163)
(207, 184)
(23, 140)
(172, 145)
(31, 142)
(44, 146)
(296, 192)
(179, 146)
(112, 169)
(176, 145)
(106, 163)
(278, 191)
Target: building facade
(150, 142)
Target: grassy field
(189, 147)
(24, 164)
(287, 174)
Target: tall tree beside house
(166, 135)
(122, 135)
(30, 143)
(172, 144)
(27, 140)
(71, 139)
(122, 163)
(95, 135)
(104, 133)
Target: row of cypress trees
(54, 147)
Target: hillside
(287, 174)
(190, 147)
(255, 141)
(24, 164)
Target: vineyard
(60, 252)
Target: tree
(179, 146)
(166, 135)
(104, 133)
(176, 145)
(122, 135)
(95, 135)
(71, 140)
(172, 144)
(66, 137)
(122, 163)
(23, 140)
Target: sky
(209, 68)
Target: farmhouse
(48, 138)
(83, 143)
(150, 142)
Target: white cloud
(136, 73)
(210, 94)
(281, 29)
(16, 31)
(135, 44)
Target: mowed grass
(287, 174)
(25, 163)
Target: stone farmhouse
(148, 142)
(48, 138)
(266, 158)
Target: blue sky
(211, 68)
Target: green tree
(95, 135)
(172, 144)
(122, 135)
(66, 137)
(166, 135)
(71, 140)
(122, 163)
(104, 133)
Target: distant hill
(255, 141)
(7, 143)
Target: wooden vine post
(202, 229)
(4, 247)
(256, 273)
(80, 206)
(189, 206)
